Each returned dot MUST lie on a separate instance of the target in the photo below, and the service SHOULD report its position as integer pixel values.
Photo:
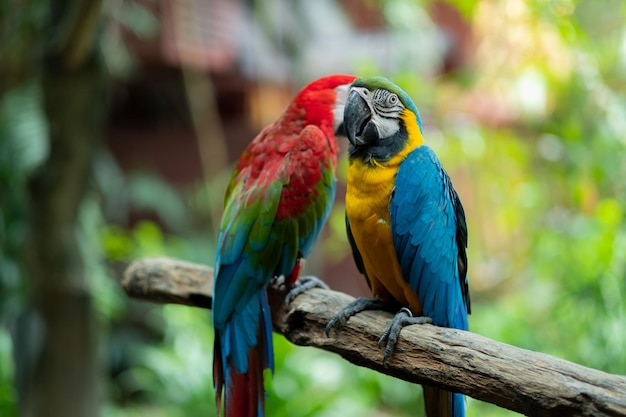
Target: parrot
(276, 203)
(405, 224)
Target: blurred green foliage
(531, 131)
(22, 147)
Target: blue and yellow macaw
(405, 223)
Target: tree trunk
(63, 379)
(58, 369)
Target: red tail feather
(244, 395)
(246, 391)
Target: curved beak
(357, 120)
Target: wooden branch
(166, 280)
(528, 382)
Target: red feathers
(318, 100)
(302, 136)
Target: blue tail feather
(244, 349)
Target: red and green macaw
(405, 223)
(277, 201)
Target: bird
(405, 224)
(277, 201)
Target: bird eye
(392, 100)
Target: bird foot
(302, 285)
(357, 306)
(279, 282)
(404, 317)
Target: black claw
(303, 284)
(340, 318)
(390, 336)
(336, 321)
(355, 307)
(388, 353)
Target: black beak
(357, 121)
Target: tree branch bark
(528, 382)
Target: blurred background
(119, 124)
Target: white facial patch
(340, 102)
(385, 109)
(386, 127)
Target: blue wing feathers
(424, 211)
(267, 331)
(240, 332)
(229, 294)
(242, 320)
(233, 243)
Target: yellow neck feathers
(370, 183)
(413, 129)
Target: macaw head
(323, 101)
(379, 119)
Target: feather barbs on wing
(309, 162)
(425, 227)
